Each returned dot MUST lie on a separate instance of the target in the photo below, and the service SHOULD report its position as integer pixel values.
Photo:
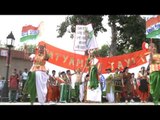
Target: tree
(112, 23)
(27, 48)
(103, 52)
(95, 20)
(128, 33)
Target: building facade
(18, 60)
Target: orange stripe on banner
(152, 21)
(66, 60)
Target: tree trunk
(113, 47)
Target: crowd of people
(82, 86)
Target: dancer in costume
(110, 86)
(79, 74)
(143, 88)
(36, 85)
(154, 74)
(85, 83)
(127, 86)
(117, 78)
(94, 88)
(53, 92)
(64, 88)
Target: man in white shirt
(24, 79)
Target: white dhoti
(110, 96)
(94, 95)
(41, 86)
(81, 91)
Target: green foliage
(29, 48)
(95, 20)
(103, 52)
(130, 32)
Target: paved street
(27, 103)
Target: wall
(17, 61)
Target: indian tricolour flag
(29, 32)
(153, 27)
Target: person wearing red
(13, 86)
(53, 93)
(143, 88)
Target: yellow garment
(155, 65)
(39, 63)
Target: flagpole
(151, 49)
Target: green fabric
(110, 84)
(30, 86)
(68, 93)
(77, 84)
(73, 93)
(93, 77)
(155, 86)
(103, 93)
(64, 93)
(28, 37)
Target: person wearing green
(110, 86)
(94, 89)
(36, 85)
(154, 80)
(78, 82)
(64, 89)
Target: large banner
(84, 38)
(73, 61)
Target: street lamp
(9, 43)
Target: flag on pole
(84, 38)
(29, 32)
(153, 27)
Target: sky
(15, 23)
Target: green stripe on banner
(154, 34)
(29, 37)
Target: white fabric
(1, 84)
(41, 86)
(24, 75)
(81, 91)
(32, 56)
(94, 95)
(94, 61)
(110, 96)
